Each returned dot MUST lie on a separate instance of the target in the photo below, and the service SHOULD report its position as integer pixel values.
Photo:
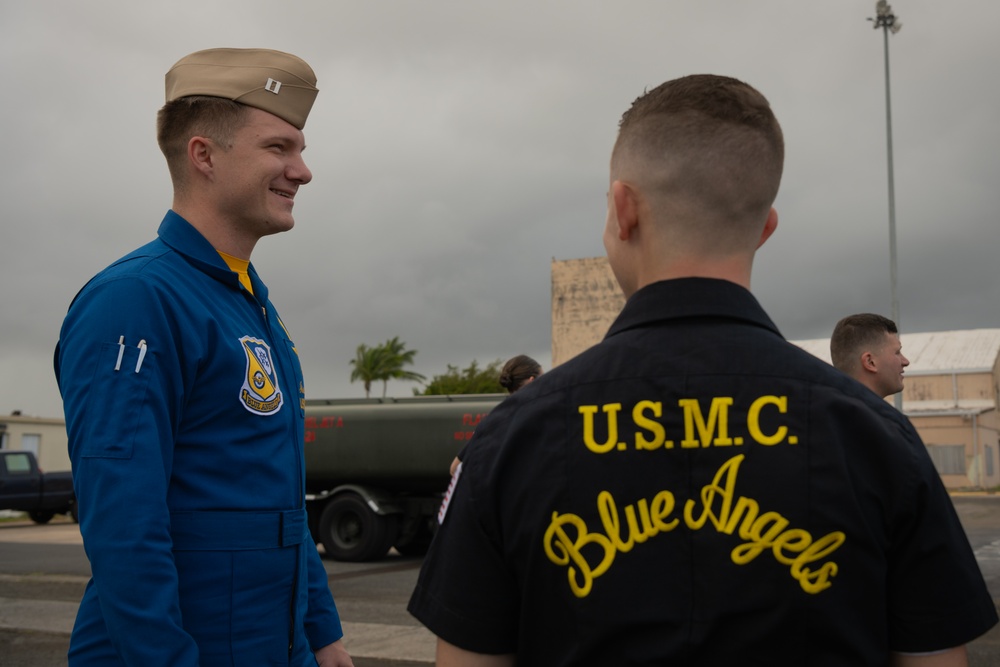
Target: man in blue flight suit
(184, 396)
(694, 490)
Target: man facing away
(183, 397)
(694, 490)
(866, 346)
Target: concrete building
(951, 388)
(586, 299)
(45, 437)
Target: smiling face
(257, 177)
(889, 363)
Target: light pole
(885, 19)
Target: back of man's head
(855, 334)
(706, 148)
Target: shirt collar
(184, 238)
(685, 298)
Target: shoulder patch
(260, 393)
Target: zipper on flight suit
(295, 579)
(279, 351)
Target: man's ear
(626, 202)
(769, 226)
(200, 153)
(868, 362)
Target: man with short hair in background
(866, 346)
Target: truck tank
(396, 444)
(376, 468)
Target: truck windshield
(18, 464)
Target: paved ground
(43, 571)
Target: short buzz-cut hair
(710, 139)
(215, 118)
(856, 334)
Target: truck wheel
(39, 516)
(351, 531)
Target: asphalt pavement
(43, 571)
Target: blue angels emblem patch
(260, 393)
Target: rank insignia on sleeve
(260, 393)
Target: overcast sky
(458, 147)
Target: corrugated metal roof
(934, 352)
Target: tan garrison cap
(277, 82)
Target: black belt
(237, 530)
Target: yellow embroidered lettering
(744, 506)
(663, 507)
(589, 412)
(819, 580)
(760, 539)
(753, 420)
(695, 424)
(644, 519)
(648, 530)
(794, 540)
(655, 428)
(816, 581)
(652, 523)
(562, 550)
(634, 534)
(725, 491)
(609, 519)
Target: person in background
(516, 373)
(866, 346)
(184, 397)
(695, 490)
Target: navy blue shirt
(695, 490)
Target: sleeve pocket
(116, 401)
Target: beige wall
(586, 299)
(977, 435)
(949, 387)
(975, 394)
(53, 455)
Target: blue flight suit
(184, 404)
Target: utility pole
(885, 19)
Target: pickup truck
(25, 488)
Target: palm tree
(397, 356)
(383, 362)
(368, 366)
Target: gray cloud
(457, 148)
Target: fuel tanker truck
(377, 469)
